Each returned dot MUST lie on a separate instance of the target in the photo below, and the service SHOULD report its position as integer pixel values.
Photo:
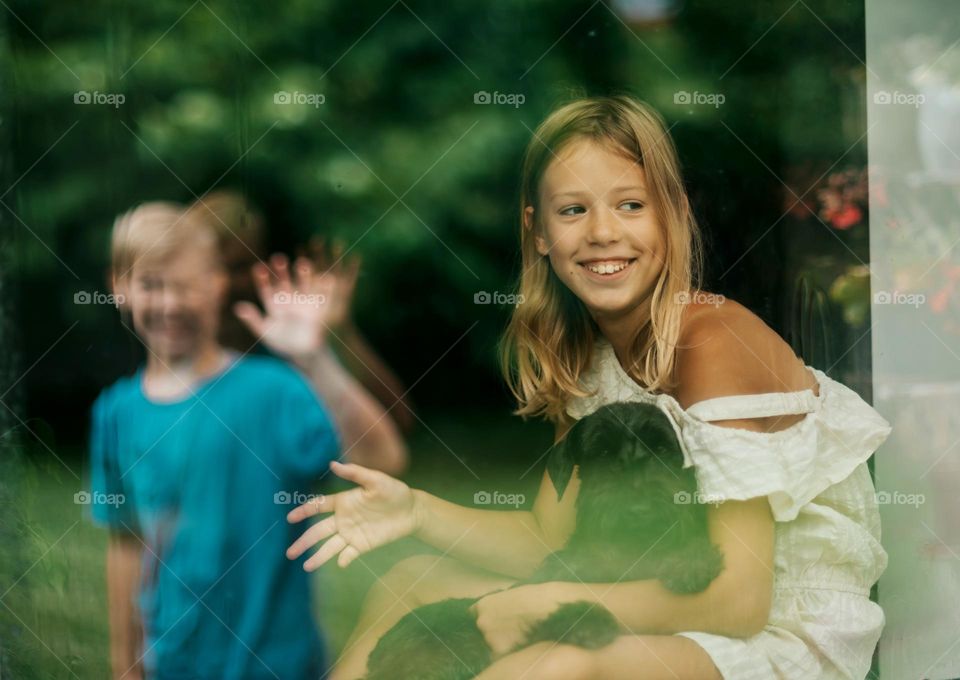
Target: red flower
(844, 218)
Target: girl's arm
(382, 509)
(736, 604)
(508, 542)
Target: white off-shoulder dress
(827, 551)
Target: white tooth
(607, 267)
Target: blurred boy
(242, 238)
(208, 450)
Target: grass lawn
(53, 607)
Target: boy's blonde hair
(549, 341)
(153, 231)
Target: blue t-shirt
(206, 483)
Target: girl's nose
(603, 227)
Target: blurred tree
(366, 121)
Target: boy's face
(175, 301)
(599, 228)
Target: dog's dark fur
(629, 527)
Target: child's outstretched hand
(378, 511)
(298, 308)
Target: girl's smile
(608, 269)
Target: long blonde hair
(549, 340)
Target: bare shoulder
(725, 349)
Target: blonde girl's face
(599, 229)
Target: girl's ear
(528, 217)
(530, 223)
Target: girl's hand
(380, 510)
(298, 308)
(505, 617)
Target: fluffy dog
(636, 519)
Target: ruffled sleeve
(790, 467)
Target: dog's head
(631, 439)
(636, 498)
(624, 432)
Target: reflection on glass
(913, 106)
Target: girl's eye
(573, 210)
(632, 206)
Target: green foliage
(398, 159)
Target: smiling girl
(612, 312)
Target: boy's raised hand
(379, 510)
(299, 309)
(333, 261)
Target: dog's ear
(565, 455)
